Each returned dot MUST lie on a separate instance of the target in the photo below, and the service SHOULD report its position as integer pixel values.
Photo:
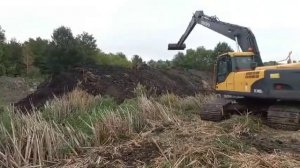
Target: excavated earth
(118, 83)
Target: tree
(62, 37)
(113, 59)
(160, 64)
(136, 60)
(87, 41)
(221, 48)
(2, 35)
(201, 58)
(34, 51)
(193, 59)
(178, 59)
(152, 63)
(88, 46)
(14, 59)
(2, 56)
(63, 52)
(121, 55)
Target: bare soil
(13, 89)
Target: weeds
(140, 90)
(30, 141)
(75, 121)
(185, 106)
(227, 143)
(76, 101)
(242, 125)
(66, 127)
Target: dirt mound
(116, 82)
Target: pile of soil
(116, 82)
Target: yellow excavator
(243, 81)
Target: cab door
(225, 76)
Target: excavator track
(284, 116)
(214, 111)
(280, 115)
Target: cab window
(243, 63)
(224, 67)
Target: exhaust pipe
(176, 47)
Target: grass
(66, 125)
(229, 143)
(243, 125)
(185, 106)
(94, 130)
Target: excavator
(243, 81)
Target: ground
(196, 143)
(13, 89)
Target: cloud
(146, 27)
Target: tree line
(200, 59)
(65, 50)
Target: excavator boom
(242, 35)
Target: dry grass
(123, 123)
(112, 127)
(184, 106)
(30, 141)
(144, 132)
(45, 137)
(39, 139)
(276, 160)
(206, 144)
(77, 100)
(152, 110)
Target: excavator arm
(242, 35)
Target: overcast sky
(145, 27)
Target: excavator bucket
(176, 47)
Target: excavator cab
(233, 62)
(229, 65)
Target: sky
(145, 27)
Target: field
(80, 128)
